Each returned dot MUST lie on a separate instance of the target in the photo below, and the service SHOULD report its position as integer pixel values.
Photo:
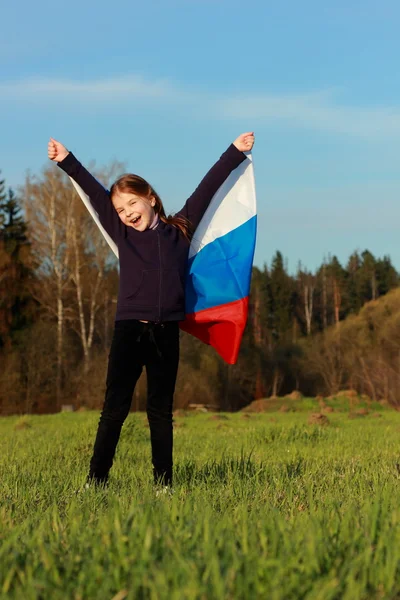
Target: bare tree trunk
(93, 308)
(324, 298)
(256, 318)
(78, 286)
(259, 392)
(308, 305)
(257, 334)
(59, 272)
(90, 300)
(276, 382)
(337, 299)
(60, 331)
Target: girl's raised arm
(98, 195)
(197, 204)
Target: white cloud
(315, 110)
(85, 91)
(319, 111)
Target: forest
(318, 332)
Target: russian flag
(220, 265)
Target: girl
(153, 252)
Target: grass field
(266, 506)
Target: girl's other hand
(56, 151)
(245, 142)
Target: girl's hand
(56, 151)
(245, 142)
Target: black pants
(134, 345)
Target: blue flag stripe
(221, 271)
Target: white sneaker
(84, 488)
(88, 485)
(165, 491)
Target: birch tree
(91, 255)
(49, 205)
(92, 258)
(307, 289)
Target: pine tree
(368, 276)
(386, 275)
(355, 296)
(282, 297)
(14, 226)
(337, 277)
(15, 272)
(258, 342)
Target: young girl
(153, 253)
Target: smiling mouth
(136, 220)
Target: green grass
(264, 507)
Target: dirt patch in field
(365, 398)
(361, 412)
(318, 419)
(272, 404)
(180, 412)
(350, 394)
(257, 406)
(219, 418)
(347, 394)
(295, 395)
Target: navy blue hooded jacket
(153, 262)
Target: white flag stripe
(232, 205)
(86, 201)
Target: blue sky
(165, 86)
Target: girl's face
(134, 211)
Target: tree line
(58, 291)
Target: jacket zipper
(159, 278)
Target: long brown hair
(139, 186)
